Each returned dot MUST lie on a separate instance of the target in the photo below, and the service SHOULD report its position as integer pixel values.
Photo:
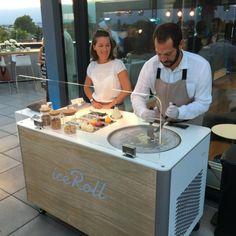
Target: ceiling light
(168, 13)
(192, 12)
(179, 13)
(140, 31)
(107, 18)
(140, 12)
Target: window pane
(209, 29)
(69, 45)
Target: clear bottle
(55, 116)
(68, 117)
(45, 116)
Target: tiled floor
(18, 217)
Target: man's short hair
(167, 31)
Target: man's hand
(172, 111)
(150, 115)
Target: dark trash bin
(226, 220)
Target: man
(180, 79)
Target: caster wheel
(41, 211)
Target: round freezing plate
(136, 136)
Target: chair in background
(5, 77)
(20, 62)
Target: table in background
(9, 59)
(227, 131)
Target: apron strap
(158, 76)
(184, 74)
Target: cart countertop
(98, 141)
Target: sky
(19, 4)
(11, 9)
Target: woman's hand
(108, 105)
(96, 104)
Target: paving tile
(46, 226)
(12, 180)
(3, 106)
(8, 110)
(10, 128)
(14, 214)
(3, 195)
(22, 195)
(12, 116)
(13, 100)
(5, 120)
(14, 153)
(7, 163)
(8, 142)
(3, 134)
(20, 103)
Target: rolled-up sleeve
(141, 93)
(202, 97)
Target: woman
(106, 76)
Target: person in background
(200, 39)
(217, 30)
(130, 40)
(182, 80)
(70, 65)
(106, 76)
(42, 63)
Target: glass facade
(207, 26)
(209, 29)
(69, 47)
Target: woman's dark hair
(102, 33)
(168, 30)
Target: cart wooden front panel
(94, 191)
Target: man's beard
(171, 63)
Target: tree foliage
(39, 34)
(25, 23)
(19, 35)
(4, 34)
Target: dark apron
(175, 93)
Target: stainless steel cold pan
(136, 136)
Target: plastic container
(45, 116)
(55, 116)
(116, 114)
(68, 116)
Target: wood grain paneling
(61, 178)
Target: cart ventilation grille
(188, 204)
